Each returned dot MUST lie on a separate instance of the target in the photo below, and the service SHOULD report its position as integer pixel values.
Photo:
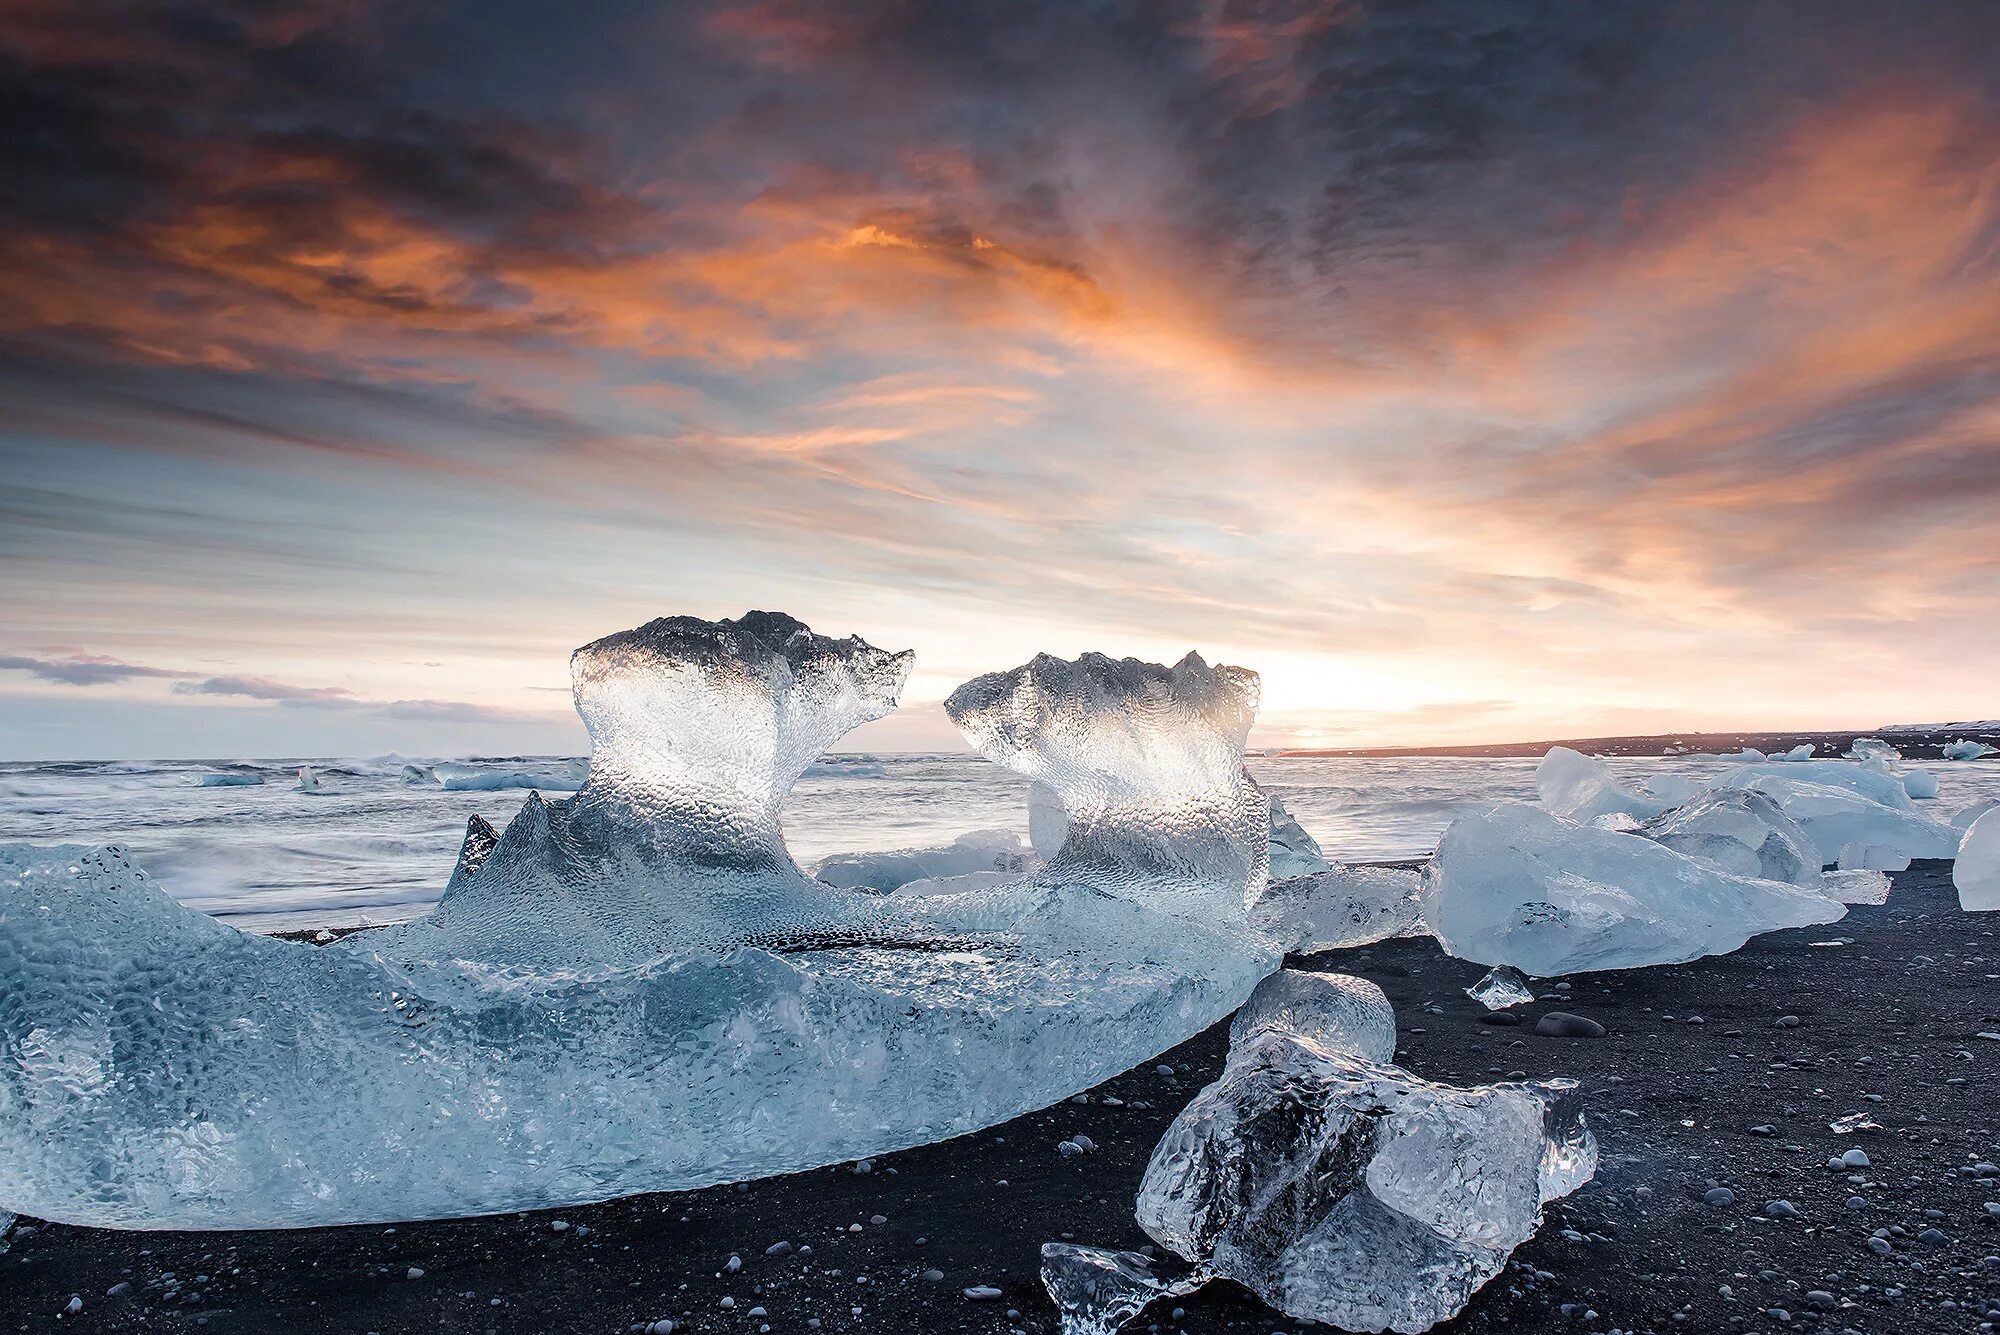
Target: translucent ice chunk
(1581, 788)
(1742, 831)
(485, 779)
(228, 779)
(1965, 748)
(1339, 907)
(1096, 1291)
(1293, 852)
(1859, 854)
(1501, 987)
(1336, 1011)
(1920, 783)
(1353, 1193)
(637, 989)
(975, 851)
(1976, 873)
(1838, 804)
(1873, 751)
(1515, 885)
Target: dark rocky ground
(1889, 1006)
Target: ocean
(368, 847)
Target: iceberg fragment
(1839, 804)
(637, 989)
(457, 778)
(1742, 831)
(1335, 1010)
(1293, 852)
(1096, 1291)
(1500, 987)
(308, 780)
(228, 779)
(975, 851)
(1965, 748)
(1347, 1191)
(1873, 751)
(1515, 885)
(1581, 788)
(1339, 907)
(1920, 783)
(1976, 873)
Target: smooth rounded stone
(1562, 1024)
(1857, 1202)
(934, 1276)
(1781, 1210)
(982, 1293)
(1880, 1246)
(1500, 1019)
(1720, 1196)
(1855, 1158)
(1931, 1237)
(1821, 1299)
(1788, 1022)
(778, 1249)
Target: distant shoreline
(1917, 745)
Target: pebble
(982, 1293)
(1500, 1018)
(1781, 1210)
(1788, 1022)
(1163, 1070)
(1720, 1196)
(778, 1249)
(74, 1305)
(414, 1272)
(1931, 1237)
(934, 1276)
(1857, 1202)
(1880, 1246)
(1562, 1024)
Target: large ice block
(637, 989)
(1976, 873)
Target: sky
(1474, 370)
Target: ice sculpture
(1965, 748)
(637, 989)
(1839, 804)
(1500, 987)
(1580, 787)
(1334, 1186)
(1339, 907)
(1976, 873)
(977, 851)
(1515, 885)
(1293, 852)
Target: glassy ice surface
(1339, 907)
(637, 988)
(1965, 748)
(1582, 788)
(1337, 1011)
(1873, 751)
(1500, 987)
(1515, 885)
(976, 851)
(1977, 871)
(1344, 1190)
(1838, 804)
(1293, 852)
(1096, 1291)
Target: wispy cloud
(83, 669)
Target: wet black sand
(1895, 1011)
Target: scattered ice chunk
(1873, 751)
(1501, 987)
(637, 989)
(1293, 852)
(229, 779)
(1581, 788)
(1336, 1011)
(1621, 822)
(1339, 907)
(1742, 831)
(1838, 804)
(418, 774)
(1855, 886)
(1353, 1193)
(1977, 871)
(1920, 783)
(976, 851)
(1800, 753)
(1096, 1291)
(308, 780)
(1515, 885)
(1859, 854)
(1962, 820)
(1965, 748)
(458, 778)
(1852, 1122)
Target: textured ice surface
(1500, 987)
(1581, 788)
(974, 851)
(1833, 805)
(1293, 852)
(637, 989)
(1339, 907)
(1977, 871)
(477, 778)
(1515, 885)
(1335, 1010)
(1347, 1191)
(1742, 831)
(228, 779)
(1097, 1291)
(1965, 748)
(1920, 783)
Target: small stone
(1781, 1210)
(1788, 1022)
(1857, 1202)
(934, 1276)
(1562, 1024)
(414, 1272)
(1766, 1129)
(74, 1305)
(1500, 1018)
(1931, 1237)
(982, 1293)
(1720, 1196)
(778, 1249)
(1880, 1246)
(1821, 1299)
(1854, 1159)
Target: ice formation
(1334, 1186)
(1293, 852)
(1515, 885)
(228, 779)
(1976, 873)
(1873, 751)
(308, 780)
(978, 851)
(1500, 987)
(1839, 804)
(1339, 907)
(1582, 788)
(1798, 754)
(418, 774)
(1964, 748)
(637, 989)
(456, 778)
(1920, 783)
(1745, 832)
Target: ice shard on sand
(636, 988)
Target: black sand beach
(1721, 1073)
(1923, 745)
